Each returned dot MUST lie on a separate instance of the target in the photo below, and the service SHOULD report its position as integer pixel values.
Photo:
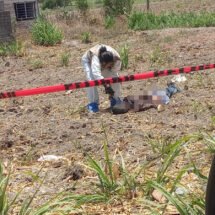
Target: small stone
(158, 196)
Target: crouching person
(102, 61)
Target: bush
(82, 5)
(117, 7)
(146, 21)
(45, 33)
(50, 4)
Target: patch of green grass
(45, 33)
(51, 4)
(172, 152)
(159, 57)
(146, 21)
(109, 22)
(129, 185)
(85, 37)
(15, 48)
(64, 59)
(210, 142)
(37, 64)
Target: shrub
(50, 4)
(82, 5)
(117, 7)
(45, 33)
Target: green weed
(191, 205)
(37, 64)
(64, 59)
(45, 33)
(159, 57)
(210, 142)
(85, 37)
(124, 56)
(109, 21)
(146, 21)
(173, 151)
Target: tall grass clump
(146, 21)
(15, 48)
(64, 59)
(185, 202)
(45, 33)
(114, 181)
(124, 56)
(59, 204)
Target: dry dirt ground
(58, 124)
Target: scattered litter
(68, 92)
(50, 158)
(160, 108)
(179, 78)
(180, 191)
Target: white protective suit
(93, 71)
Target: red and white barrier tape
(84, 84)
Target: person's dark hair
(105, 56)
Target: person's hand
(109, 90)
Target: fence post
(147, 5)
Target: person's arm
(96, 68)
